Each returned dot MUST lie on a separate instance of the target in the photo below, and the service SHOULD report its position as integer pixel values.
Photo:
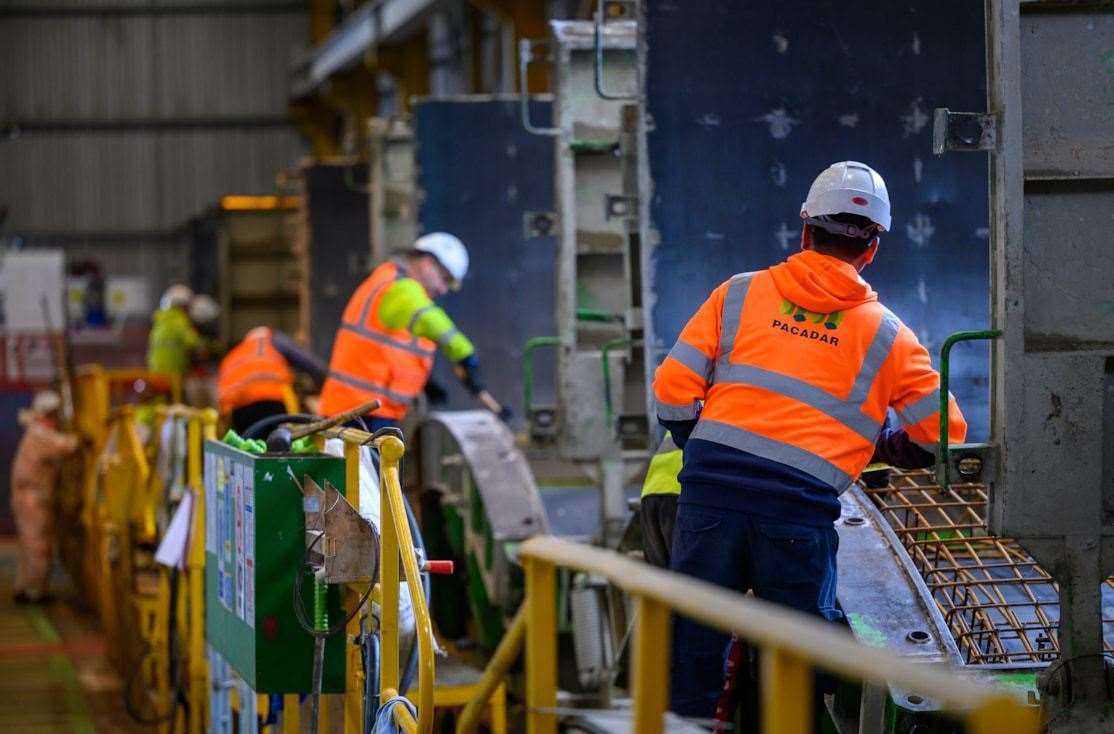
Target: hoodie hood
(821, 283)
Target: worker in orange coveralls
(34, 474)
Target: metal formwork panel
(745, 104)
(481, 177)
(594, 304)
(1052, 196)
(339, 251)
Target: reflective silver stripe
(444, 338)
(669, 412)
(919, 409)
(260, 345)
(876, 354)
(406, 346)
(768, 448)
(417, 315)
(369, 387)
(732, 312)
(849, 414)
(257, 377)
(692, 358)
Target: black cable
(299, 607)
(270, 421)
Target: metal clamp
(598, 31)
(525, 56)
(963, 131)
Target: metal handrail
(598, 73)
(532, 344)
(792, 644)
(395, 542)
(945, 378)
(525, 55)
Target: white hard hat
(176, 295)
(203, 309)
(449, 251)
(849, 187)
(45, 401)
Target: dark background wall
(339, 254)
(768, 95)
(479, 172)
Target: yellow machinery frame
(120, 494)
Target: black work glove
(435, 394)
(506, 414)
(468, 370)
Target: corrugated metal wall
(125, 119)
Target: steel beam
(51, 12)
(374, 23)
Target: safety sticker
(249, 547)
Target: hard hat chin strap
(868, 232)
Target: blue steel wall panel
(479, 173)
(749, 101)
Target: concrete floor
(54, 676)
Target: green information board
(254, 543)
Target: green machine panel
(254, 543)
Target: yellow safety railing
(201, 426)
(792, 645)
(110, 504)
(396, 549)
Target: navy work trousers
(781, 562)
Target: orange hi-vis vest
(808, 390)
(253, 371)
(371, 361)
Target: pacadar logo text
(802, 316)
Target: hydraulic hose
(261, 426)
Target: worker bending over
(797, 366)
(391, 329)
(256, 378)
(174, 339)
(34, 473)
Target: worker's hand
(468, 370)
(506, 414)
(435, 394)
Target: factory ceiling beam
(373, 24)
(40, 10)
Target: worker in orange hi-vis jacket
(34, 474)
(778, 390)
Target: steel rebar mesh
(1001, 606)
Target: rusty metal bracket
(963, 131)
(349, 550)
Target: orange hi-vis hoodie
(795, 367)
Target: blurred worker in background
(797, 367)
(657, 510)
(174, 339)
(34, 473)
(391, 329)
(256, 378)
